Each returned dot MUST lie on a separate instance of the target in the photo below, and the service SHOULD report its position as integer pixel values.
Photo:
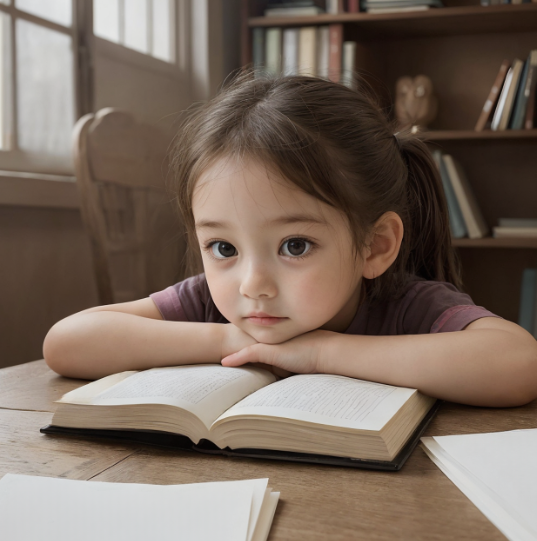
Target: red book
(335, 32)
(354, 6)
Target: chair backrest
(136, 236)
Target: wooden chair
(136, 236)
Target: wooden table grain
(317, 502)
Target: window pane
(161, 30)
(136, 25)
(57, 11)
(5, 82)
(106, 19)
(44, 89)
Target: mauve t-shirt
(424, 307)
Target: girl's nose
(258, 282)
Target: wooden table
(317, 502)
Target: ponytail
(427, 240)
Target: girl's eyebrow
(283, 220)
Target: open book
(303, 417)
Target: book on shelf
(497, 472)
(517, 222)
(513, 107)
(290, 50)
(353, 6)
(503, 232)
(273, 51)
(529, 117)
(394, 6)
(348, 63)
(246, 411)
(323, 51)
(258, 48)
(67, 509)
(307, 49)
(334, 6)
(475, 223)
(503, 112)
(488, 109)
(515, 228)
(456, 221)
(293, 11)
(335, 39)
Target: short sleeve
(433, 307)
(189, 300)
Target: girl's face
(278, 262)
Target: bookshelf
(460, 47)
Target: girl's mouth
(261, 318)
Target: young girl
(326, 248)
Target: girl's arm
(133, 336)
(492, 362)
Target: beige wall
(45, 275)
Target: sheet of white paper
(500, 472)
(63, 510)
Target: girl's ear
(384, 245)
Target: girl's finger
(246, 355)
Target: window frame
(27, 179)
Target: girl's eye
(223, 250)
(295, 247)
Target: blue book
(456, 221)
(526, 314)
(258, 48)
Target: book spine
(258, 48)
(492, 98)
(517, 118)
(290, 51)
(501, 101)
(323, 51)
(348, 63)
(526, 314)
(307, 50)
(456, 221)
(336, 42)
(334, 6)
(510, 98)
(273, 51)
(354, 6)
(475, 223)
(529, 123)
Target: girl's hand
(234, 340)
(300, 355)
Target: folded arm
(491, 363)
(133, 336)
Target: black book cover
(176, 441)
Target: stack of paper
(62, 510)
(497, 472)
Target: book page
(205, 390)
(326, 399)
(65, 509)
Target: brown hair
(335, 144)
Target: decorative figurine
(415, 102)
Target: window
(38, 94)
(143, 25)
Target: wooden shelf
(489, 242)
(471, 135)
(433, 22)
